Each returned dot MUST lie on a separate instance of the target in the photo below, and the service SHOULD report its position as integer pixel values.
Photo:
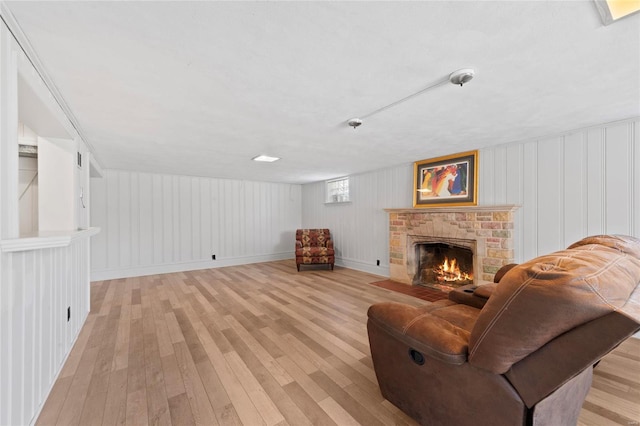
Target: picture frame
(451, 180)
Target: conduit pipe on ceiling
(458, 77)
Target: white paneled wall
(37, 288)
(581, 183)
(360, 228)
(585, 182)
(152, 223)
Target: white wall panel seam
(534, 208)
(585, 180)
(562, 200)
(635, 155)
(603, 187)
(630, 159)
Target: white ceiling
(199, 88)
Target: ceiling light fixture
(458, 77)
(265, 158)
(354, 122)
(461, 76)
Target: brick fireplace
(486, 230)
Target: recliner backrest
(539, 300)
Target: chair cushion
(308, 260)
(315, 251)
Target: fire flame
(449, 271)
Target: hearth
(443, 266)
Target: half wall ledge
(45, 240)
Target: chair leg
(332, 266)
(298, 266)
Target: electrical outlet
(68, 313)
(378, 262)
(213, 257)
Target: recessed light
(265, 158)
(612, 10)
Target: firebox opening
(443, 266)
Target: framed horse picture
(446, 181)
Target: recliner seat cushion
(439, 330)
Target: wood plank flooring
(257, 344)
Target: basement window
(337, 190)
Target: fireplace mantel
(490, 226)
(460, 209)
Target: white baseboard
(139, 271)
(370, 268)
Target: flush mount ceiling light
(354, 122)
(458, 77)
(461, 76)
(265, 158)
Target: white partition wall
(42, 287)
(581, 183)
(44, 277)
(153, 223)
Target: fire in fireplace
(450, 272)
(444, 266)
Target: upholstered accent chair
(526, 356)
(314, 246)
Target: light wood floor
(252, 345)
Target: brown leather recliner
(526, 357)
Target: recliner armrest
(467, 295)
(477, 296)
(422, 331)
(485, 291)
